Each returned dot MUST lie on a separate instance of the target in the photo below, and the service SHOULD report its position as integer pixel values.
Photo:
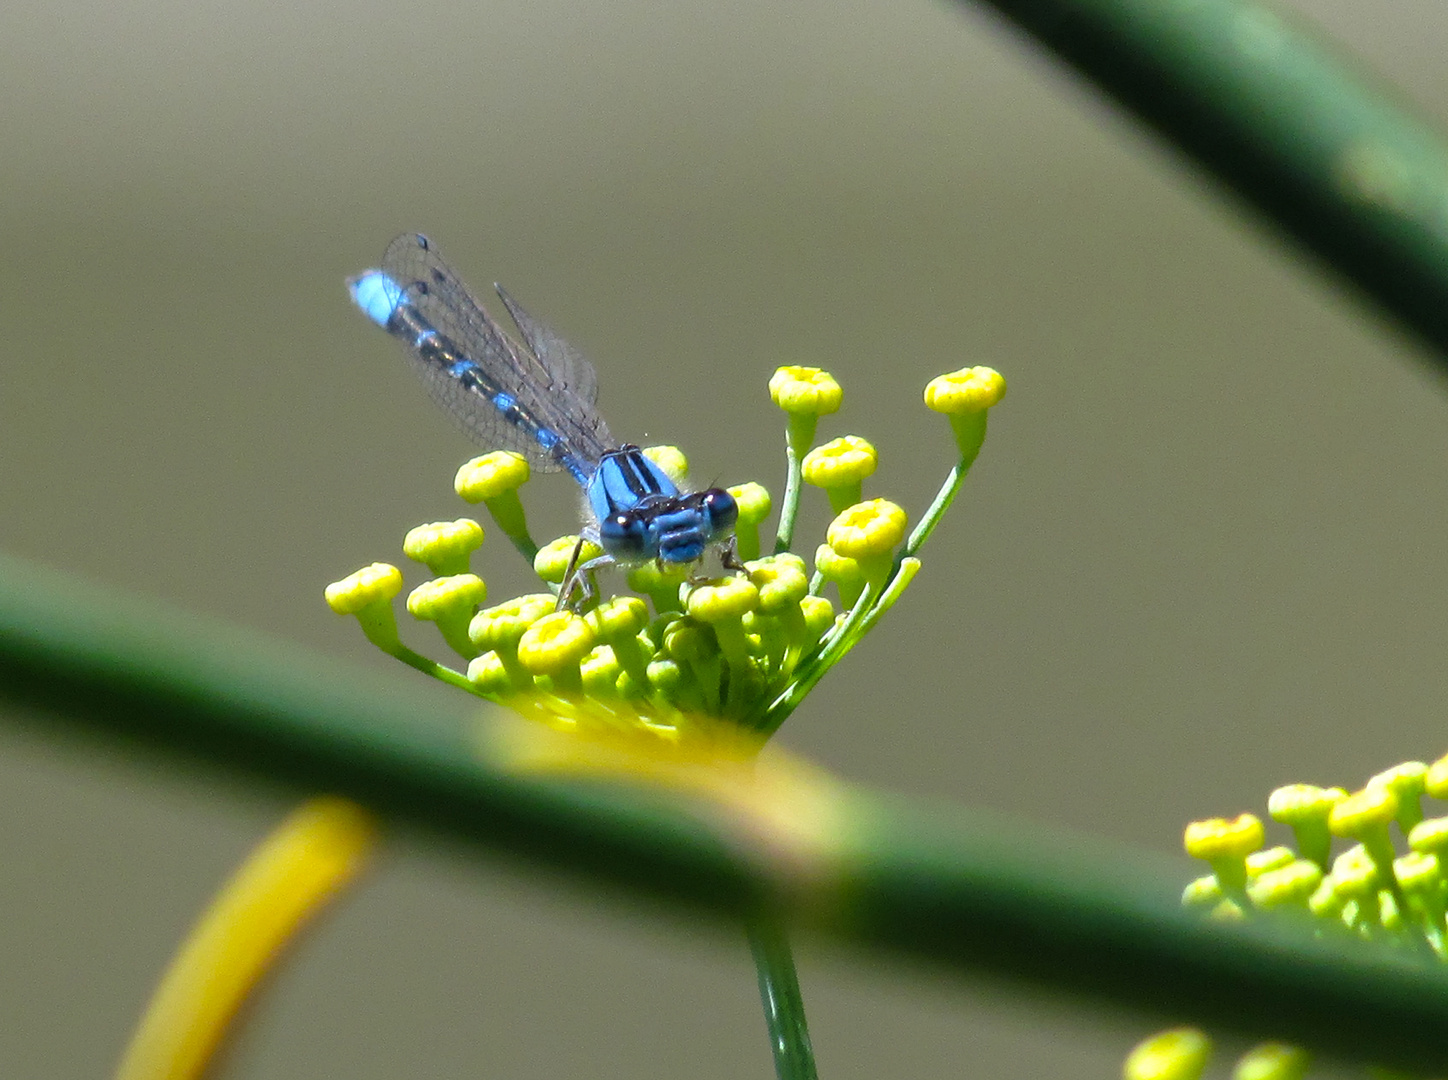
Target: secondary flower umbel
(1366, 892)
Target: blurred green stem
(1263, 104)
(940, 886)
(783, 1004)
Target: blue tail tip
(376, 294)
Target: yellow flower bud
(1217, 838)
(501, 627)
(621, 616)
(1435, 781)
(450, 602)
(660, 581)
(1419, 873)
(1288, 885)
(1406, 782)
(487, 672)
(555, 643)
(780, 579)
(552, 560)
(867, 529)
(600, 670)
(688, 641)
(445, 596)
(846, 573)
(805, 390)
(491, 475)
(1178, 1054)
(1354, 874)
(671, 459)
(819, 615)
(1305, 809)
(1225, 845)
(1203, 894)
(753, 502)
(1364, 812)
(1273, 858)
(1272, 1061)
(444, 546)
(839, 462)
(1430, 836)
(1295, 804)
(972, 389)
(665, 676)
(378, 582)
(723, 599)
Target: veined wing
(565, 363)
(556, 397)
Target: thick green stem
(940, 887)
(782, 1001)
(1269, 109)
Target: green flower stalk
(1306, 808)
(450, 602)
(367, 594)
(805, 394)
(965, 396)
(1225, 845)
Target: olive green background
(1200, 555)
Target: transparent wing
(566, 364)
(558, 397)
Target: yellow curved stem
(308, 861)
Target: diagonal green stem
(414, 659)
(946, 888)
(1269, 109)
(969, 437)
(783, 1004)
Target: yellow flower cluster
(743, 647)
(1368, 890)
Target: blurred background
(1199, 556)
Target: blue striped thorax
(641, 514)
(536, 398)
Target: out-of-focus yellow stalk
(308, 861)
